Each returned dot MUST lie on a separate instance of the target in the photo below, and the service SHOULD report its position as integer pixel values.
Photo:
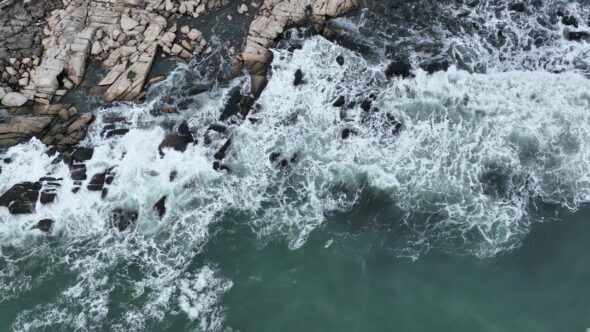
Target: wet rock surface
(44, 225)
(123, 219)
(55, 125)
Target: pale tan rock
(96, 48)
(186, 44)
(11, 71)
(127, 23)
(176, 49)
(186, 54)
(156, 79)
(2, 93)
(14, 99)
(243, 8)
(112, 76)
(194, 34)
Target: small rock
(160, 207)
(298, 77)
(156, 79)
(194, 34)
(243, 8)
(123, 219)
(82, 154)
(127, 23)
(176, 49)
(185, 29)
(339, 102)
(517, 7)
(44, 225)
(399, 67)
(340, 60)
(96, 48)
(569, 20)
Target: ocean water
(457, 202)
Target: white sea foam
(474, 153)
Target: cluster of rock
(124, 34)
(55, 124)
(272, 19)
(22, 198)
(21, 33)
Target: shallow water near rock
(453, 199)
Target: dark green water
(360, 285)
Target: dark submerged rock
(347, 132)
(366, 105)
(221, 153)
(435, 65)
(298, 77)
(178, 141)
(517, 7)
(577, 35)
(569, 20)
(21, 198)
(82, 154)
(123, 219)
(78, 172)
(44, 225)
(116, 132)
(340, 60)
(399, 67)
(339, 102)
(160, 207)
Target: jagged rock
(194, 34)
(339, 102)
(127, 23)
(21, 198)
(14, 99)
(82, 154)
(44, 225)
(298, 77)
(517, 7)
(274, 16)
(399, 67)
(160, 207)
(178, 141)
(243, 8)
(123, 219)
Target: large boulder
(21, 198)
(14, 99)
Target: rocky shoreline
(125, 37)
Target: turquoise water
(358, 284)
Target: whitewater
(464, 160)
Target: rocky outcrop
(55, 125)
(21, 32)
(22, 198)
(273, 17)
(123, 34)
